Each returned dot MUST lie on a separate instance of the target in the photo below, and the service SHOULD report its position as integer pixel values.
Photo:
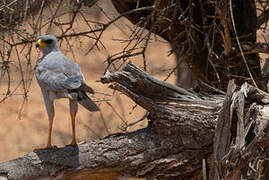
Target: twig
(226, 35)
(262, 18)
(239, 45)
(134, 123)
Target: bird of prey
(59, 77)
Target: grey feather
(55, 72)
(73, 82)
(82, 98)
(86, 102)
(86, 88)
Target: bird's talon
(81, 142)
(51, 147)
(54, 147)
(73, 144)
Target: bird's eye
(49, 41)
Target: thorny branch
(22, 37)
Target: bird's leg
(50, 110)
(74, 141)
(50, 131)
(73, 112)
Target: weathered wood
(142, 153)
(170, 106)
(180, 135)
(240, 132)
(223, 128)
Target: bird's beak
(40, 44)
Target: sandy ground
(21, 135)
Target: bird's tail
(86, 101)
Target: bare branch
(262, 18)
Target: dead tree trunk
(179, 137)
(242, 134)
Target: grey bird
(59, 77)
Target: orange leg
(73, 117)
(73, 112)
(50, 110)
(50, 131)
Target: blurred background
(23, 117)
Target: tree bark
(180, 135)
(241, 133)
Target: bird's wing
(56, 72)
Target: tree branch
(262, 18)
(173, 145)
(178, 138)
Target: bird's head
(47, 43)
